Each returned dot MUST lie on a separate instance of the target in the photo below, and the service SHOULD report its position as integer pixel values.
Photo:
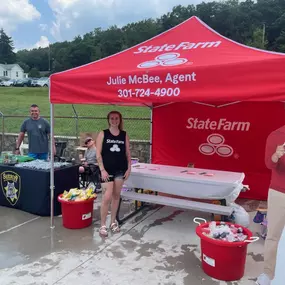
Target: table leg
(137, 209)
(224, 218)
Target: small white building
(12, 71)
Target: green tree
(258, 39)
(34, 73)
(24, 66)
(6, 48)
(280, 42)
(136, 33)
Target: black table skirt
(29, 190)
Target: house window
(5, 73)
(17, 74)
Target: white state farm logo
(215, 144)
(115, 147)
(166, 59)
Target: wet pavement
(157, 247)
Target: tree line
(258, 23)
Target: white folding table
(202, 184)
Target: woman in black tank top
(114, 159)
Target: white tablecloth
(187, 182)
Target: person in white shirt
(89, 161)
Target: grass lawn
(17, 100)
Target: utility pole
(263, 35)
(49, 57)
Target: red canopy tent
(209, 67)
(188, 63)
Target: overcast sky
(34, 23)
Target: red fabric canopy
(190, 62)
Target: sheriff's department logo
(11, 186)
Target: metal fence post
(76, 124)
(3, 131)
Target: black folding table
(28, 189)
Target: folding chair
(90, 175)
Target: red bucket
(76, 214)
(223, 260)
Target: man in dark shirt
(38, 130)
(275, 161)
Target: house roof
(9, 66)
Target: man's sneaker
(263, 279)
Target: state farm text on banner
(222, 124)
(174, 47)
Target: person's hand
(104, 175)
(280, 151)
(85, 163)
(17, 152)
(127, 174)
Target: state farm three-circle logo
(166, 59)
(215, 145)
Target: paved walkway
(157, 247)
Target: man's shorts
(43, 156)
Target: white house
(12, 71)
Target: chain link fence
(137, 127)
